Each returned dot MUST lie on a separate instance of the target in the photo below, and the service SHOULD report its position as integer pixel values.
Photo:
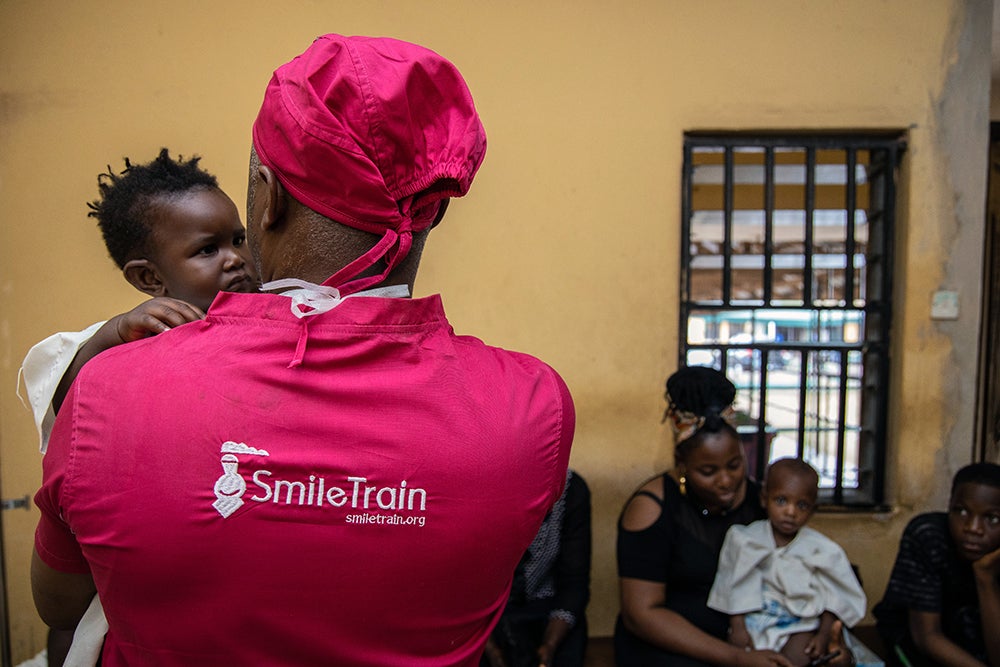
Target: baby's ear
(142, 275)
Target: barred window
(786, 285)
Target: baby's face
(974, 519)
(789, 501)
(200, 247)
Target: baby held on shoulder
(176, 237)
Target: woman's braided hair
(703, 394)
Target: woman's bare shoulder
(645, 506)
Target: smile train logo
(229, 488)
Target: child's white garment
(88, 638)
(43, 368)
(783, 590)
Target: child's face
(789, 500)
(200, 247)
(974, 519)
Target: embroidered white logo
(229, 488)
(378, 504)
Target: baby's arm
(149, 318)
(738, 635)
(987, 571)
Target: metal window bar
(803, 383)
(761, 451)
(890, 158)
(810, 211)
(686, 207)
(851, 206)
(768, 226)
(838, 485)
(727, 236)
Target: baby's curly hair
(122, 212)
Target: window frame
(885, 149)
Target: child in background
(782, 583)
(942, 602)
(176, 237)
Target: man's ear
(143, 275)
(270, 196)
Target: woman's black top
(681, 550)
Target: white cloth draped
(808, 576)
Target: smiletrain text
(359, 495)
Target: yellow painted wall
(567, 244)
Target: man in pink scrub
(324, 473)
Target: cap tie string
(392, 246)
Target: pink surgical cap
(371, 132)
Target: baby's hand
(818, 644)
(844, 657)
(155, 316)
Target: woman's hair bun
(701, 390)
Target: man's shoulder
(508, 361)
(129, 358)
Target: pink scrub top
(354, 488)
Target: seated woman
(671, 532)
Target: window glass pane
(706, 257)
(707, 225)
(821, 417)
(829, 241)
(787, 262)
(782, 409)
(852, 422)
(859, 264)
(749, 229)
(707, 326)
(789, 226)
(704, 357)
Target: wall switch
(944, 305)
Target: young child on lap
(176, 237)
(782, 583)
(942, 602)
